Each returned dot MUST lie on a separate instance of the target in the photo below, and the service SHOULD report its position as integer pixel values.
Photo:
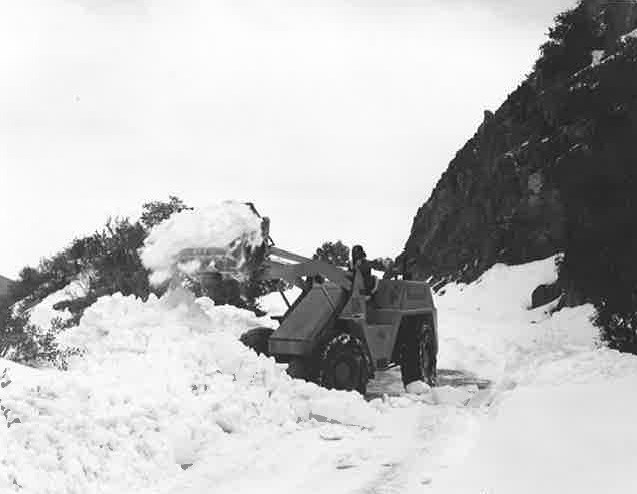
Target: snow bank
(561, 416)
(486, 327)
(160, 384)
(503, 291)
(217, 226)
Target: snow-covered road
(412, 441)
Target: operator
(359, 260)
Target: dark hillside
(4, 285)
(501, 199)
(553, 170)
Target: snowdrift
(561, 415)
(486, 327)
(159, 384)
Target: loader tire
(343, 365)
(418, 356)
(257, 339)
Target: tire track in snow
(400, 474)
(441, 437)
(411, 443)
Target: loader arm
(299, 267)
(264, 262)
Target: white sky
(335, 117)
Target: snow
(165, 382)
(417, 388)
(274, 304)
(502, 291)
(159, 384)
(544, 366)
(216, 226)
(560, 404)
(598, 56)
(448, 395)
(564, 438)
(43, 314)
(632, 34)
(487, 329)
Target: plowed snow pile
(161, 382)
(216, 226)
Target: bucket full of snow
(221, 238)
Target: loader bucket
(239, 260)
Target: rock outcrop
(502, 197)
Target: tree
(571, 41)
(598, 186)
(116, 264)
(336, 253)
(157, 211)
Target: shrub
(28, 344)
(108, 258)
(336, 253)
(157, 211)
(571, 41)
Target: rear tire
(344, 365)
(418, 356)
(257, 339)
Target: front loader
(335, 333)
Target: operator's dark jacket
(365, 267)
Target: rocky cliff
(508, 195)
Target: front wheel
(344, 365)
